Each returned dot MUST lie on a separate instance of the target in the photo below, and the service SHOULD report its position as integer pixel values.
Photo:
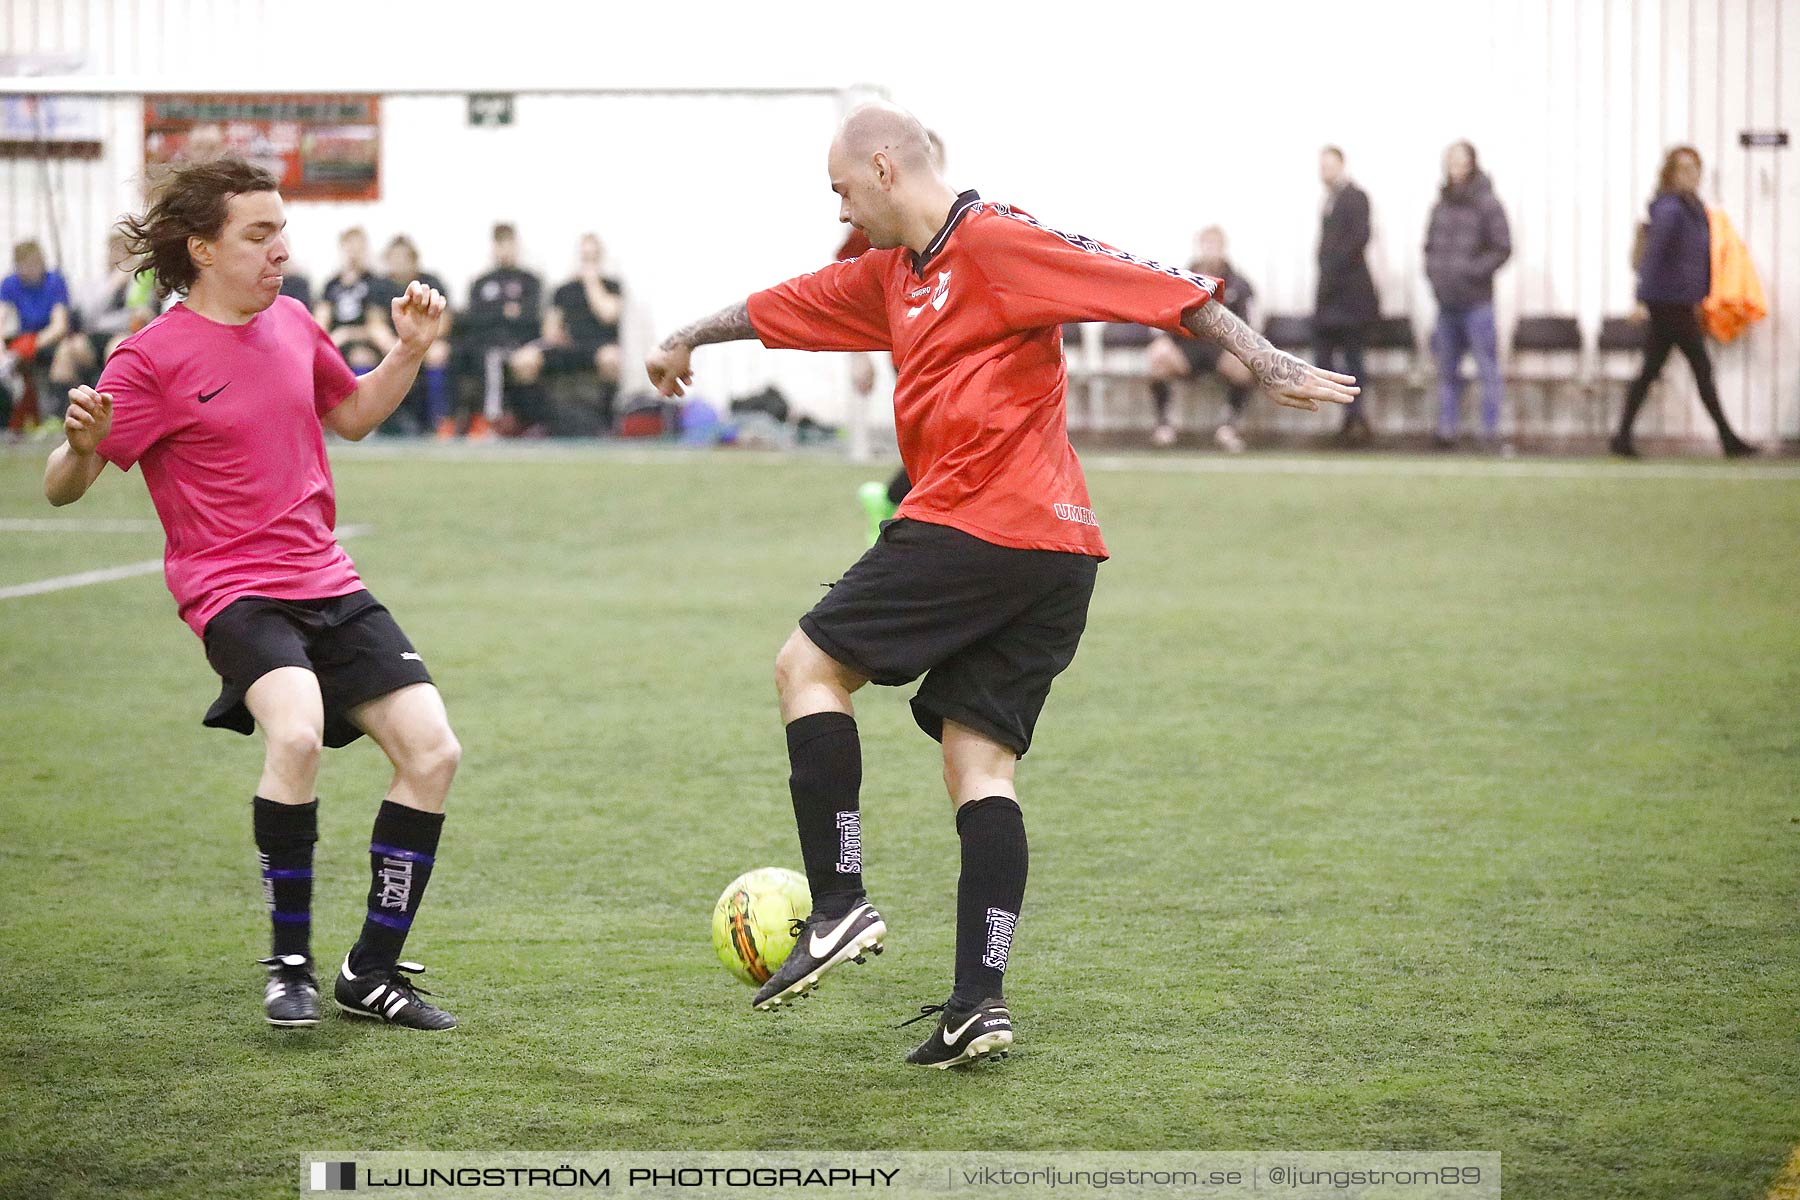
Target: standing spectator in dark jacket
(1466, 243)
(502, 316)
(1674, 275)
(1345, 304)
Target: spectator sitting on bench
(295, 283)
(110, 308)
(1186, 358)
(427, 405)
(580, 334)
(37, 301)
(348, 310)
(493, 334)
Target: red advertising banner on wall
(320, 147)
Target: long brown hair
(1665, 179)
(192, 201)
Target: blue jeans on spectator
(1461, 331)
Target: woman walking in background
(1674, 275)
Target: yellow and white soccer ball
(752, 922)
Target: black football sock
(825, 756)
(401, 851)
(1159, 397)
(285, 834)
(988, 895)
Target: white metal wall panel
(1570, 102)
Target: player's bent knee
(295, 745)
(801, 666)
(436, 760)
(793, 664)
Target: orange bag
(1736, 300)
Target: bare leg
(288, 710)
(809, 681)
(413, 730)
(976, 766)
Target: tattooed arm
(669, 365)
(730, 324)
(1290, 381)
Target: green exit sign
(490, 108)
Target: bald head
(884, 129)
(888, 180)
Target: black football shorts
(989, 627)
(350, 642)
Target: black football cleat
(385, 994)
(291, 1000)
(821, 943)
(964, 1035)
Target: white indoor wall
(1136, 124)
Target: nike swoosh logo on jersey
(819, 947)
(205, 396)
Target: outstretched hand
(418, 314)
(670, 368)
(1295, 383)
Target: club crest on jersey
(938, 295)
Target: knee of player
(791, 658)
(297, 744)
(437, 758)
(787, 669)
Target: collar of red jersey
(964, 203)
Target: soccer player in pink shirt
(224, 400)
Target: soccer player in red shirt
(224, 400)
(981, 583)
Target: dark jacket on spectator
(1677, 263)
(1466, 242)
(503, 307)
(1346, 296)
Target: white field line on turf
(1458, 468)
(76, 525)
(1206, 464)
(62, 583)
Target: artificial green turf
(1378, 811)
